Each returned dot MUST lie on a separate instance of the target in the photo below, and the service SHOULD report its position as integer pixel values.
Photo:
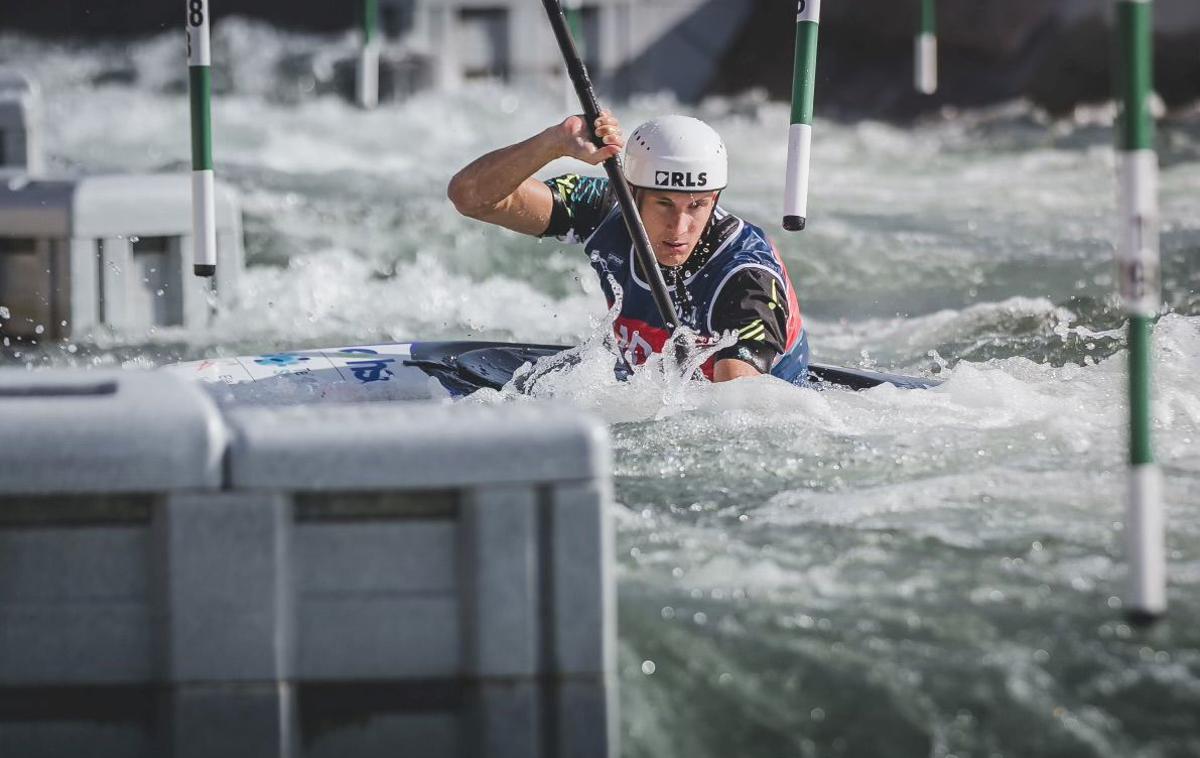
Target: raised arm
(498, 188)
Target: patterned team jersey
(733, 281)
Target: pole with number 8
(204, 219)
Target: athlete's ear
(716, 200)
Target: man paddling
(722, 273)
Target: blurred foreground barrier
(384, 579)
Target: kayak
(424, 370)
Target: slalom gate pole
(367, 85)
(204, 217)
(573, 11)
(1141, 296)
(591, 111)
(574, 15)
(925, 68)
(795, 193)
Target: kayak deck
(492, 364)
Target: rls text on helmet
(676, 153)
(680, 179)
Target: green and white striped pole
(573, 13)
(204, 218)
(573, 10)
(925, 70)
(795, 193)
(1140, 289)
(368, 59)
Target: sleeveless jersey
(733, 281)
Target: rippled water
(801, 573)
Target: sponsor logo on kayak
(680, 179)
(279, 360)
(368, 370)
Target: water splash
(598, 376)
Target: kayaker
(723, 273)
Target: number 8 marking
(196, 18)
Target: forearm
(730, 368)
(491, 179)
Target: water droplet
(648, 667)
(817, 714)
(39, 329)
(158, 292)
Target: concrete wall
(113, 251)
(1055, 53)
(638, 45)
(384, 579)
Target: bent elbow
(459, 195)
(462, 194)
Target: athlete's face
(674, 222)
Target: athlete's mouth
(676, 246)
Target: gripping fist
(577, 139)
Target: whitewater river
(882, 573)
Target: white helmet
(677, 154)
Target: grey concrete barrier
(78, 254)
(397, 578)
(20, 125)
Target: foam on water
(801, 573)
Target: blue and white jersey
(733, 281)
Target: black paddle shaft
(591, 112)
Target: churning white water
(802, 573)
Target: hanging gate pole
(925, 68)
(1139, 282)
(795, 193)
(368, 58)
(573, 13)
(204, 217)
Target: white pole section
(368, 59)
(204, 217)
(925, 70)
(804, 73)
(1140, 288)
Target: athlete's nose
(681, 224)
